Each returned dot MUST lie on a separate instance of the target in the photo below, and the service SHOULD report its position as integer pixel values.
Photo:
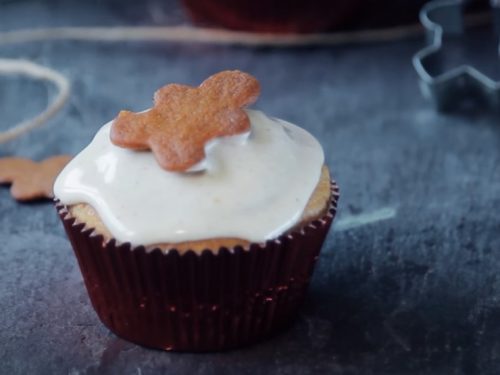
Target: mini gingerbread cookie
(185, 118)
(31, 180)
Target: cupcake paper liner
(206, 301)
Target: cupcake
(197, 223)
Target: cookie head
(184, 118)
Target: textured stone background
(418, 293)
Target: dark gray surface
(415, 294)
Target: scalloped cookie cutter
(442, 18)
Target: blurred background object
(451, 76)
(305, 16)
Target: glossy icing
(253, 186)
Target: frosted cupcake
(197, 223)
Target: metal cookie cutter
(446, 18)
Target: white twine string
(28, 68)
(181, 34)
(176, 34)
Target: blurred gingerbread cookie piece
(31, 180)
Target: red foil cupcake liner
(198, 301)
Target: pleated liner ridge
(198, 301)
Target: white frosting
(253, 186)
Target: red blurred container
(277, 16)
